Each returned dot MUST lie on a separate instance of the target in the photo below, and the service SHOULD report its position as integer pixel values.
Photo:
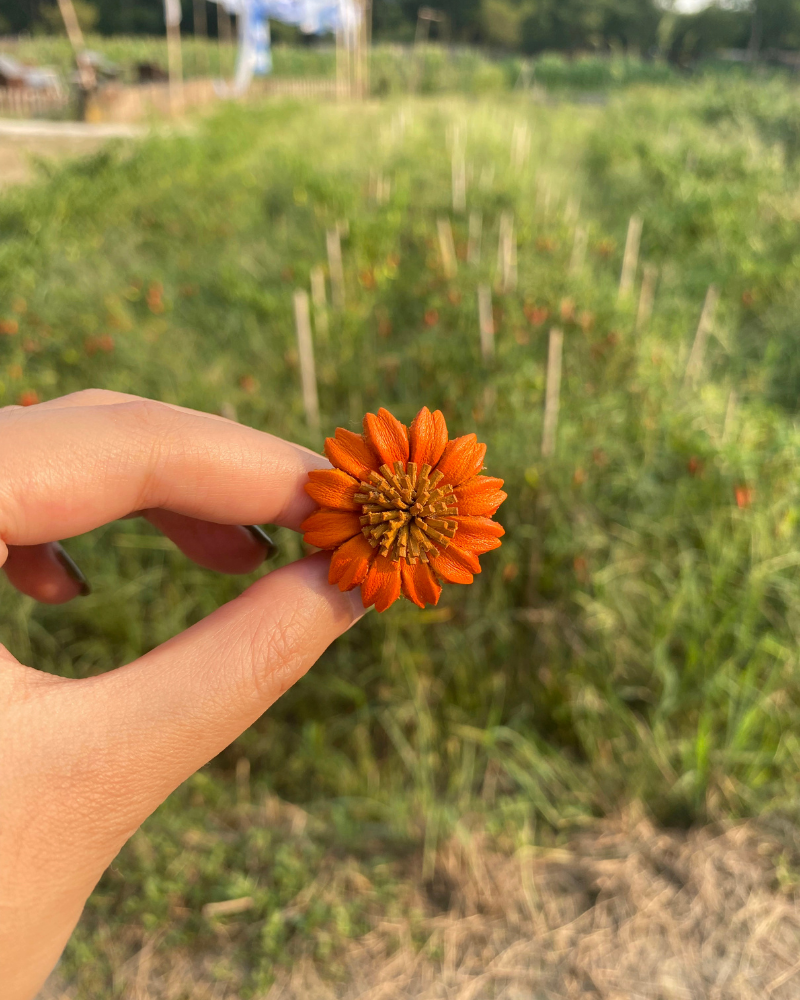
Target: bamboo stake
(75, 35)
(459, 176)
(447, 247)
(506, 254)
(505, 222)
(319, 298)
(486, 322)
(305, 348)
(474, 241)
(695, 364)
(552, 392)
(335, 267)
(510, 261)
(645, 310)
(578, 255)
(630, 257)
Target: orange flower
(29, 398)
(403, 508)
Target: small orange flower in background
(154, 301)
(431, 317)
(29, 398)
(744, 496)
(403, 508)
(9, 327)
(536, 314)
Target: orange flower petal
(333, 488)
(387, 437)
(478, 534)
(456, 565)
(479, 496)
(382, 584)
(462, 459)
(351, 453)
(428, 435)
(350, 563)
(327, 529)
(419, 584)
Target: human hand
(84, 762)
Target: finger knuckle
(93, 397)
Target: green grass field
(635, 638)
(394, 69)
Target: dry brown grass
(624, 911)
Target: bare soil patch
(18, 154)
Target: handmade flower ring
(403, 508)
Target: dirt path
(22, 142)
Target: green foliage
(635, 637)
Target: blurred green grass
(635, 638)
(394, 68)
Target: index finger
(69, 470)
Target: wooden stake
(695, 363)
(85, 69)
(447, 247)
(506, 254)
(459, 175)
(319, 298)
(578, 255)
(552, 392)
(630, 257)
(486, 322)
(305, 349)
(646, 295)
(474, 241)
(335, 267)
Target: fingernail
(262, 538)
(358, 605)
(73, 570)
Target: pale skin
(84, 762)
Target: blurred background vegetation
(646, 27)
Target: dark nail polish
(72, 569)
(263, 538)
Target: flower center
(406, 511)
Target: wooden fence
(26, 102)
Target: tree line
(526, 26)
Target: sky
(690, 6)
